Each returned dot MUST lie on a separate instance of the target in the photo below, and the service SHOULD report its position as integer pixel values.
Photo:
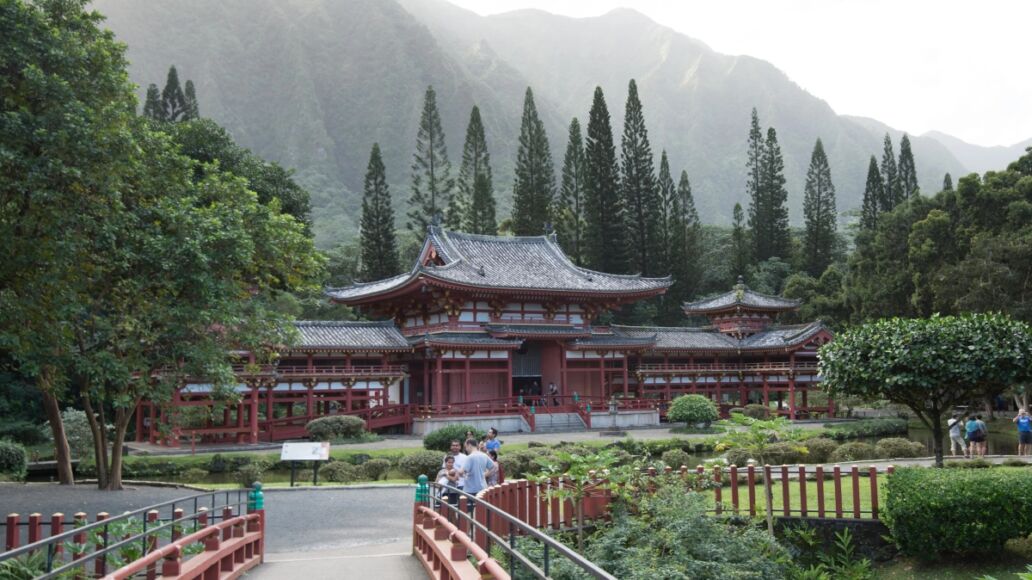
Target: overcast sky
(957, 66)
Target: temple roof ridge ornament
(741, 297)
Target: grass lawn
(1001, 567)
(795, 497)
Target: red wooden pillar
(562, 368)
(791, 387)
(625, 385)
(253, 415)
(467, 380)
(426, 382)
(602, 374)
(12, 538)
(311, 362)
(152, 431)
(439, 381)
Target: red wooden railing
(444, 550)
(660, 368)
(342, 371)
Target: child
(448, 477)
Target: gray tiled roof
(350, 335)
(521, 263)
(559, 330)
(463, 338)
(741, 295)
(693, 338)
(615, 340)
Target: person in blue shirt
(976, 435)
(493, 444)
(1024, 423)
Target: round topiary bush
(194, 475)
(692, 409)
(426, 463)
(14, 461)
(376, 469)
(339, 472)
(252, 472)
(895, 447)
(440, 440)
(675, 458)
(335, 427)
(855, 451)
(819, 449)
(757, 411)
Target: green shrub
(252, 472)
(222, 464)
(819, 449)
(23, 432)
(895, 447)
(14, 461)
(426, 463)
(193, 475)
(959, 511)
(757, 411)
(854, 451)
(339, 472)
(440, 440)
(376, 469)
(335, 427)
(1014, 462)
(969, 464)
(733, 410)
(879, 427)
(772, 454)
(675, 458)
(692, 409)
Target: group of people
(536, 396)
(471, 465)
(970, 434)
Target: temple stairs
(553, 422)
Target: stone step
(553, 422)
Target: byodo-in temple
(500, 331)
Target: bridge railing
(203, 532)
(451, 525)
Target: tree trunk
(62, 455)
(122, 419)
(937, 438)
(99, 443)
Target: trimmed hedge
(757, 411)
(376, 469)
(773, 454)
(675, 458)
(819, 449)
(855, 451)
(339, 472)
(895, 447)
(426, 463)
(14, 461)
(693, 409)
(868, 428)
(957, 511)
(440, 440)
(335, 427)
(252, 472)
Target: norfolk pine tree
(759, 207)
(569, 211)
(669, 218)
(907, 170)
(475, 161)
(740, 252)
(431, 181)
(947, 182)
(819, 213)
(191, 110)
(605, 233)
(892, 192)
(772, 186)
(152, 108)
(379, 247)
(685, 238)
(873, 194)
(482, 211)
(640, 191)
(173, 101)
(534, 186)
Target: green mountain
(978, 158)
(313, 83)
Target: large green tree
(379, 246)
(684, 251)
(534, 187)
(669, 207)
(740, 247)
(431, 172)
(892, 190)
(907, 170)
(759, 218)
(873, 193)
(173, 99)
(819, 213)
(152, 108)
(605, 233)
(191, 110)
(639, 188)
(476, 161)
(570, 211)
(776, 240)
(930, 365)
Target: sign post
(305, 451)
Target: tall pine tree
(759, 206)
(684, 250)
(669, 208)
(475, 162)
(482, 218)
(819, 214)
(173, 101)
(740, 252)
(569, 211)
(947, 182)
(873, 195)
(190, 108)
(605, 234)
(907, 170)
(778, 242)
(431, 172)
(640, 192)
(892, 191)
(534, 186)
(379, 247)
(152, 108)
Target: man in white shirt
(460, 461)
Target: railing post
(227, 532)
(171, 566)
(856, 491)
(11, 540)
(837, 475)
(873, 476)
(802, 490)
(733, 475)
(820, 491)
(57, 527)
(152, 543)
(35, 527)
(177, 528)
(100, 563)
(786, 508)
(717, 490)
(79, 539)
(751, 479)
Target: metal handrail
(508, 545)
(51, 542)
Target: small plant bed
(881, 427)
(693, 430)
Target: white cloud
(955, 66)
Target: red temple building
(482, 326)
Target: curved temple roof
(740, 296)
(702, 339)
(335, 335)
(505, 263)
